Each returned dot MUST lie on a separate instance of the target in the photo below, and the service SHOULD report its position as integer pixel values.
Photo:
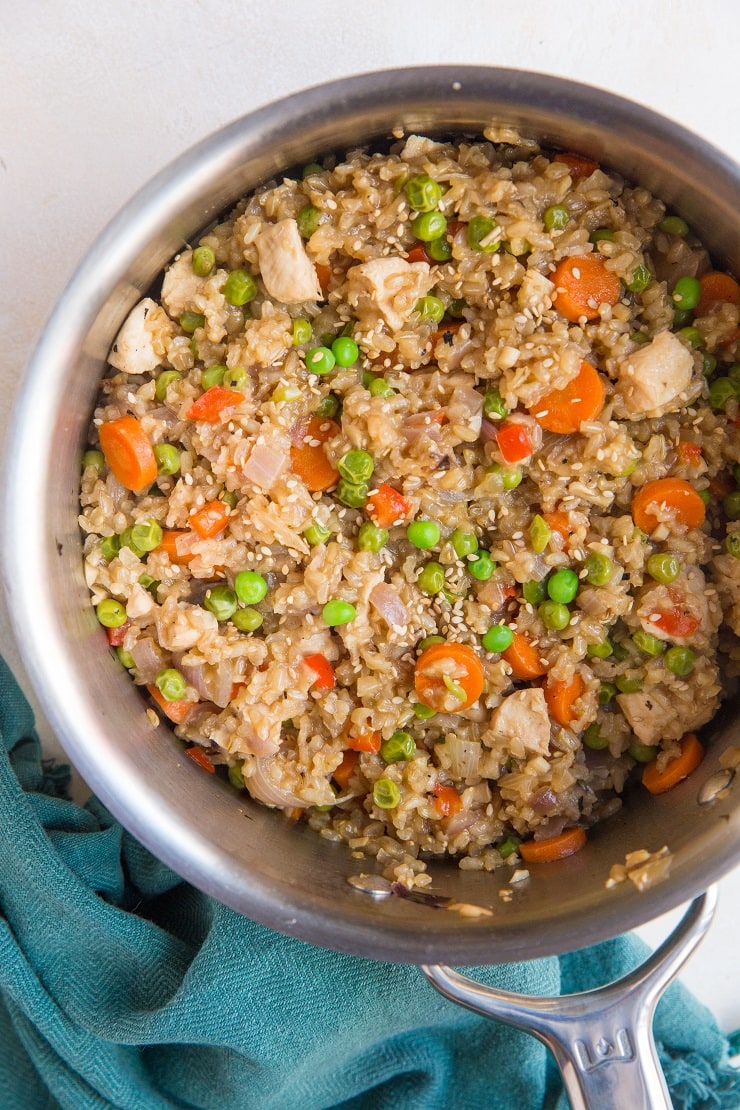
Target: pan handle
(602, 1039)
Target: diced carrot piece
(564, 410)
(429, 676)
(387, 506)
(177, 711)
(582, 284)
(716, 286)
(674, 493)
(323, 273)
(447, 801)
(418, 254)
(116, 635)
(559, 521)
(210, 519)
(369, 741)
(343, 773)
(513, 442)
(446, 330)
(198, 756)
(579, 166)
(168, 544)
(554, 847)
(691, 755)
(689, 454)
(523, 658)
(128, 452)
(561, 698)
(211, 404)
(677, 622)
(308, 457)
(322, 668)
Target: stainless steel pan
(249, 857)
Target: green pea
(247, 620)
(311, 168)
(686, 292)
(535, 592)
(229, 497)
(191, 321)
(250, 587)
(430, 308)
(555, 217)
(320, 360)
(146, 535)
(606, 693)
(352, 494)
(235, 377)
(93, 458)
(692, 336)
(440, 250)
(423, 534)
(641, 278)
(371, 538)
(493, 405)
(399, 746)
(240, 288)
(482, 567)
(429, 226)
(328, 406)
(599, 569)
(212, 375)
(680, 660)
(709, 365)
(642, 753)
(379, 388)
(345, 350)
(509, 476)
(109, 547)
(620, 651)
(337, 612)
(602, 235)
(164, 381)
(125, 658)
(111, 613)
(149, 583)
(497, 638)
(554, 615)
(539, 534)
(480, 231)
(562, 586)
(594, 738)
(423, 193)
(722, 390)
(168, 458)
(674, 225)
(732, 544)
(681, 316)
(356, 466)
(367, 379)
(431, 578)
(423, 712)
(302, 331)
(628, 685)
(731, 505)
(221, 601)
(203, 261)
(308, 220)
(171, 684)
(647, 643)
(316, 533)
(639, 337)
(508, 847)
(663, 567)
(386, 794)
(236, 776)
(464, 543)
(600, 651)
(456, 308)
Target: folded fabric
(122, 986)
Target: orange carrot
(678, 622)
(513, 442)
(676, 494)
(561, 698)
(447, 801)
(555, 847)
(579, 166)
(116, 636)
(564, 410)
(446, 673)
(689, 454)
(177, 711)
(523, 658)
(210, 519)
(213, 402)
(449, 329)
(677, 770)
(364, 742)
(582, 284)
(168, 544)
(387, 506)
(418, 254)
(128, 452)
(322, 668)
(343, 773)
(559, 521)
(716, 286)
(323, 273)
(308, 456)
(198, 756)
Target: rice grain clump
(410, 499)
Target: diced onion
(265, 465)
(385, 600)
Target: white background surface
(97, 96)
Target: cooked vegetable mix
(413, 502)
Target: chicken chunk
(652, 714)
(140, 344)
(521, 723)
(287, 271)
(654, 379)
(181, 286)
(391, 285)
(686, 612)
(535, 292)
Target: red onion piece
(385, 600)
(149, 658)
(265, 465)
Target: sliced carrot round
(689, 758)
(716, 286)
(449, 677)
(554, 847)
(523, 658)
(561, 698)
(128, 452)
(675, 494)
(582, 284)
(308, 456)
(564, 410)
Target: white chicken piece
(181, 626)
(287, 271)
(652, 715)
(181, 286)
(140, 344)
(522, 723)
(392, 285)
(689, 603)
(653, 379)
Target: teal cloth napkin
(122, 986)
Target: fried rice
(387, 569)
